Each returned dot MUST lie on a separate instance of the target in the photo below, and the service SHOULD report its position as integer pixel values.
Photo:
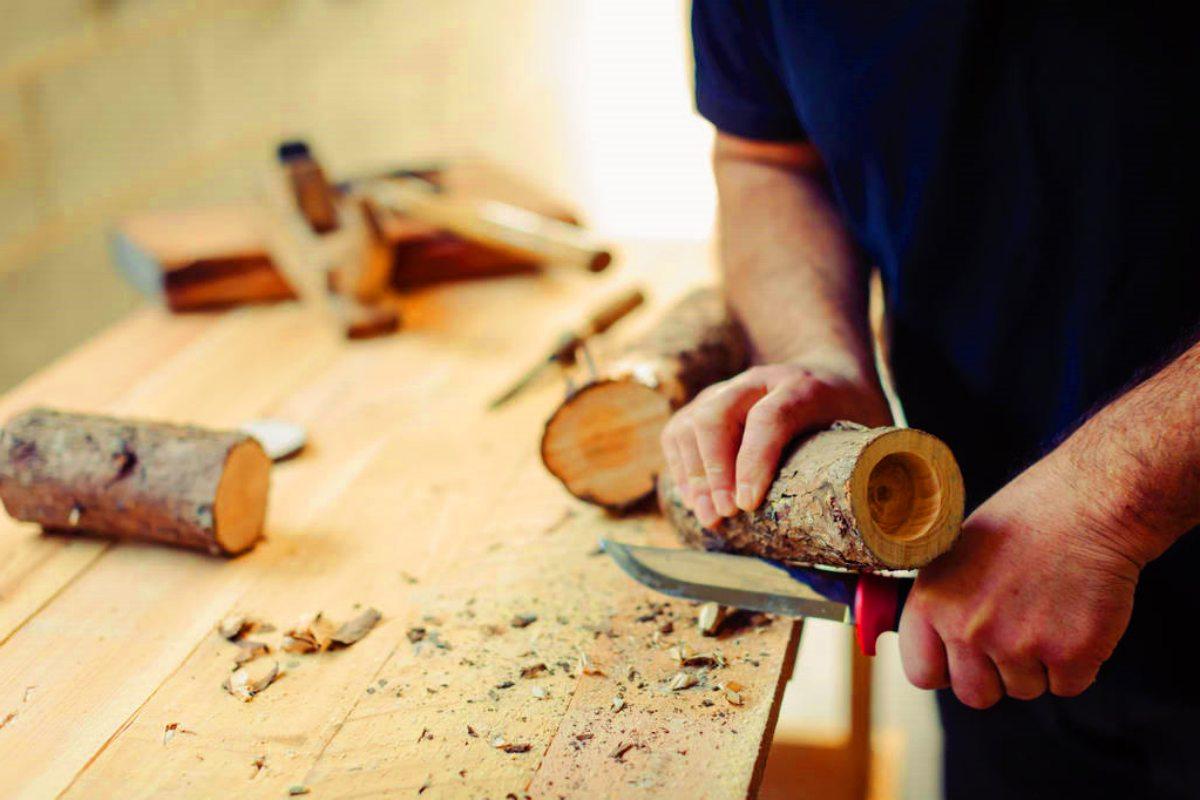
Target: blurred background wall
(108, 106)
(112, 106)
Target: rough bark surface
(602, 442)
(131, 479)
(696, 344)
(810, 516)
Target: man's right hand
(723, 448)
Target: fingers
(1073, 680)
(718, 430)
(696, 480)
(973, 676)
(1023, 680)
(921, 652)
(770, 424)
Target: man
(1019, 174)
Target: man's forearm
(792, 272)
(1138, 459)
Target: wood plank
(65, 754)
(406, 476)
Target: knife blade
(871, 603)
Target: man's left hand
(1033, 598)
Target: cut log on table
(861, 498)
(179, 485)
(603, 441)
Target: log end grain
(906, 494)
(604, 443)
(240, 507)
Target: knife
(871, 603)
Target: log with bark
(603, 441)
(864, 499)
(156, 482)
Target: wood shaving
(312, 633)
(733, 692)
(415, 634)
(533, 670)
(710, 617)
(500, 744)
(298, 789)
(235, 626)
(618, 753)
(713, 659)
(523, 620)
(249, 650)
(618, 703)
(681, 681)
(251, 679)
(171, 729)
(586, 667)
(354, 629)
(472, 732)
(539, 692)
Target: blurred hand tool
(493, 223)
(569, 343)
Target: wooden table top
(410, 498)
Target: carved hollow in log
(174, 484)
(861, 498)
(603, 440)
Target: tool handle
(878, 603)
(614, 310)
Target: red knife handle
(878, 602)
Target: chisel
(568, 343)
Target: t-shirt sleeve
(738, 84)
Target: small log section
(864, 499)
(602, 442)
(185, 486)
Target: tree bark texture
(179, 485)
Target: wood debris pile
(312, 633)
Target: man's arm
(1040, 588)
(797, 282)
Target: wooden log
(865, 499)
(180, 485)
(603, 441)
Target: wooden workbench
(410, 498)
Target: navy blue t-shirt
(1021, 174)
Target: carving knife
(871, 603)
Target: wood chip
(733, 692)
(251, 679)
(618, 703)
(523, 620)
(621, 749)
(248, 650)
(312, 633)
(539, 692)
(352, 630)
(533, 670)
(710, 617)
(235, 626)
(586, 667)
(415, 634)
(298, 789)
(681, 681)
(500, 744)
(171, 729)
